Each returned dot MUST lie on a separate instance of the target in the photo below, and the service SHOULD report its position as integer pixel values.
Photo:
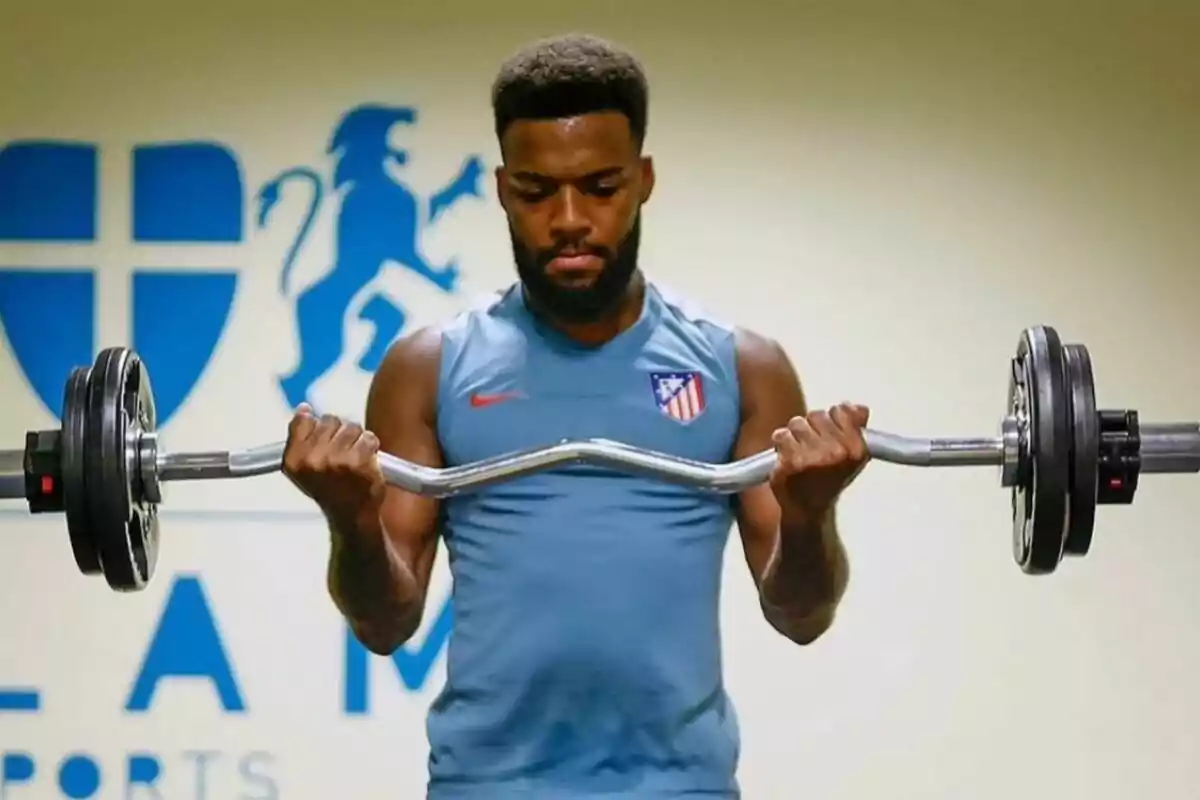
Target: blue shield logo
(182, 194)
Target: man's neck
(623, 315)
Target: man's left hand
(820, 454)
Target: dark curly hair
(567, 76)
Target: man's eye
(534, 195)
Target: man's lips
(580, 262)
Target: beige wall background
(892, 190)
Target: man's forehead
(580, 144)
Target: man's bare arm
(380, 564)
(799, 565)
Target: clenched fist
(820, 454)
(334, 463)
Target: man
(585, 658)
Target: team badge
(679, 395)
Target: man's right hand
(335, 463)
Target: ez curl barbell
(1058, 453)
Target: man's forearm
(372, 586)
(805, 577)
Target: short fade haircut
(568, 76)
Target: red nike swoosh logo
(484, 400)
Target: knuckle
(366, 447)
(298, 431)
(294, 458)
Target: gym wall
(894, 194)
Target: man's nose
(570, 221)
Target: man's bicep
(401, 412)
(771, 396)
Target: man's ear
(647, 177)
(501, 182)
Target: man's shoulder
(765, 371)
(414, 355)
(753, 348)
(687, 310)
(758, 350)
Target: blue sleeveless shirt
(584, 660)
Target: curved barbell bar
(727, 478)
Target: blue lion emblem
(379, 222)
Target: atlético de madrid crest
(679, 395)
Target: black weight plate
(118, 517)
(74, 473)
(1040, 494)
(1085, 450)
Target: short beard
(579, 305)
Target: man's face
(573, 191)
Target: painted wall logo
(379, 222)
(178, 269)
(190, 195)
(182, 194)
